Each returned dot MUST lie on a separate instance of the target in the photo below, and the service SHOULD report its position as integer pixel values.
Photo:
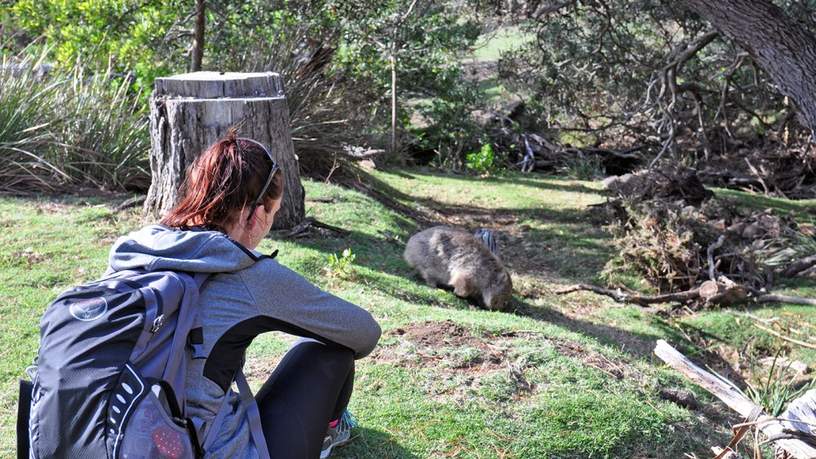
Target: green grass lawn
(556, 376)
(491, 46)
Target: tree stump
(189, 112)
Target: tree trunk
(780, 45)
(189, 112)
(198, 37)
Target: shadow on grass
(552, 184)
(637, 345)
(804, 209)
(560, 243)
(371, 443)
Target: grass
(557, 376)
(491, 46)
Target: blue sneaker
(338, 435)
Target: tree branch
(798, 266)
(633, 297)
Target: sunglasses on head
(272, 171)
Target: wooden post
(191, 111)
(393, 61)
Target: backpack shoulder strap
(253, 417)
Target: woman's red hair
(223, 180)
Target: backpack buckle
(157, 323)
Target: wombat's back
(453, 257)
(430, 252)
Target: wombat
(446, 256)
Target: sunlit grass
(593, 385)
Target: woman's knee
(316, 352)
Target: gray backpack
(111, 366)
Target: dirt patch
(448, 344)
(28, 257)
(436, 333)
(51, 207)
(464, 364)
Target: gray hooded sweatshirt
(247, 294)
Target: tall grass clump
(103, 136)
(62, 129)
(25, 127)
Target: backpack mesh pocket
(152, 433)
(141, 422)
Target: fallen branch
(801, 414)
(725, 453)
(730, 395)
(784, 338)
(722, 292)
(132, 202)
(633, 297)
(801, 265)
(302, 228)
(785, 299)
(360, 154)
(710, 252)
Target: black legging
(310, 386)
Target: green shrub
(104, 133)
(481, 161)
(24, 126)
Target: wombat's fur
(451, 257)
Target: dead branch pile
(536, 151)
(771, 168)
(539, 154)
(695, 248)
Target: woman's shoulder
(265, 266)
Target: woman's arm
(296, 306)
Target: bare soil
(432, 343)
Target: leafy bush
(334, 56)
(451, 129)
(23, 127)
(481, 161)
(147, 38)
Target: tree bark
(198, 37)
(784, 48)
(189, 112)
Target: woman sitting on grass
(227, 207)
